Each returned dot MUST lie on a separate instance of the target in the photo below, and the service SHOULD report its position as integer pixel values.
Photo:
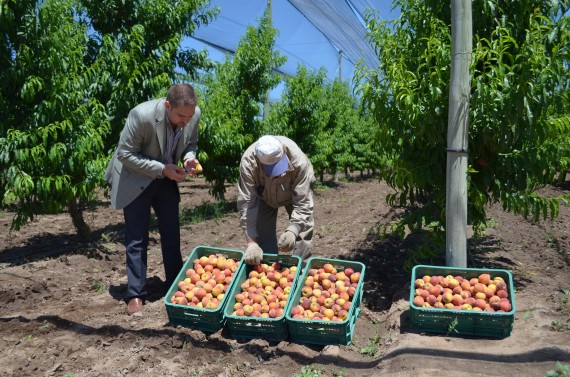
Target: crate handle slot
(251, 324)
(191, 314)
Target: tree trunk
(83, 230)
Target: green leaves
(232, 99)
(70, 72)
(518, 135)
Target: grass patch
(207, 211)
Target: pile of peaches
(265, 291)
(327, 294)
(206, 282)
(481, 293)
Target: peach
(453, 283)
(424, 293)
(479, 287)
(502, 294)
(431, 300)
(342, 314)
(435, 290)
(465, 285)
(326, 283)
(447, 297)
(307, 291)
(418, 301)
(327, 267)
(298, 309)
(457, 290)
(329, 313)
(501, 286)
(457, 300)
(305, 303)
(329, 302)
(473, 281)
(341, 301)
(212, 305)
(355, 277)
(219, 277)
(434, 280)
(203, 260)
(480, 296)
(484, 279)
(218, 290)
(480, 303)
(506, 305)
(200, 293)
(239, 297)
(181, 301)
(314, 307)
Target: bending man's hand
(287, 241)
(253, 254)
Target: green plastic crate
(326, 332)
(462, 322)
(255, 327)
(189, 316)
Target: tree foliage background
(519, 117)
(70, 70)
(232, 97)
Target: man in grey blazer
(143, 174)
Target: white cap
(269, 151)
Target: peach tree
(519, 122)
(70, 72)
(232, 97)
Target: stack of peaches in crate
(326, 294)
(206, 282)
(481, 293)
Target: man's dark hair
(182, 95)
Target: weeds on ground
(309, 371)
(99, 287)
(561, 370)
(372, 347)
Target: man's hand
(287, 241)
(253, 254)
(174, 172)
(193, 166)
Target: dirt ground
(62, 312)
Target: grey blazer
(138, 159)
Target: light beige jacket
(138, 160)
(295, 187)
